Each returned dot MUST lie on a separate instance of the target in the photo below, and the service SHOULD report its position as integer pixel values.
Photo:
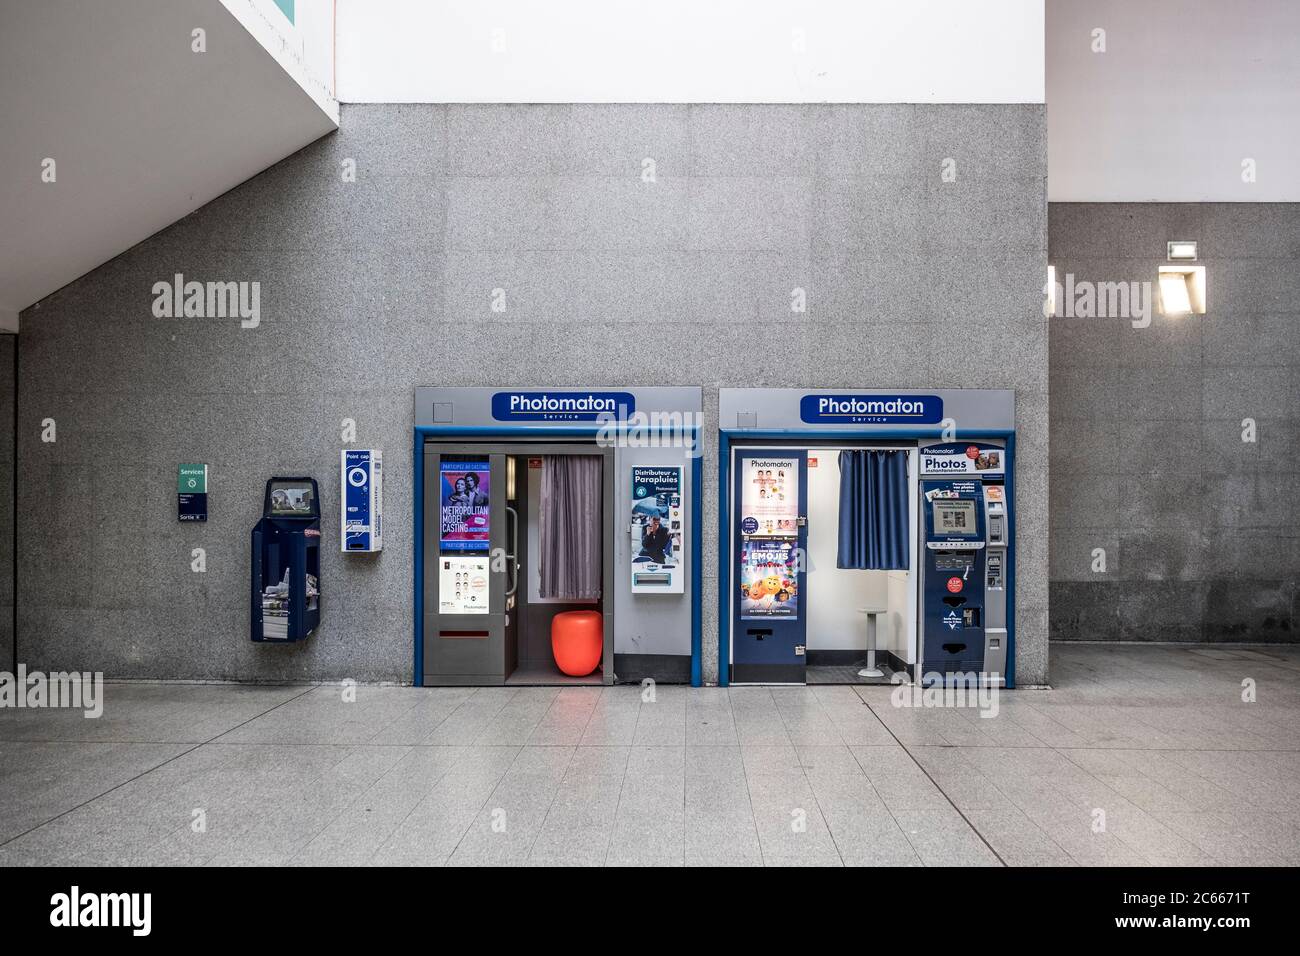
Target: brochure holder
(286, 563)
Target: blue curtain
(873, 510)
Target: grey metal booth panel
(478, 651)
(651, 625)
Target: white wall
(1185, 91)
(835, 594)
(690, 51)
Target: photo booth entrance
(515, 534)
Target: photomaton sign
(561, 406)
(871, 409)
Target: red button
(954, 585)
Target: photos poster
(464, 496)
(463, 585)
(770, 497)
(769, 581)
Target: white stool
(871, 670)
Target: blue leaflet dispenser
(285, 587)
(657, 529)
(362, 500)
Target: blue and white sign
(561, 406)
(362, 500)
(963, 458)
(871, 409)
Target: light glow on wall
(1182, 289)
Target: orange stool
(577, 641)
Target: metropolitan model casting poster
(768, 580)
(770, 498)
(464, 510)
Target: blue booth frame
(728, 435)
(514, 433)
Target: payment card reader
(965, 563)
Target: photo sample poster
(463, 585)
(770, 497)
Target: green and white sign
(192, 493)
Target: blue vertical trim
(1011, 559)
(419, 558)
(697, 562)
(724, 561)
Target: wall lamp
(1182, 283)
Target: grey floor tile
(656, 760)
(827, 759)
(714, 760)
(869, 837)
(695, 776)
(649, 824)
(1016, 838)
(712, 840)
(43, 780)
(771, 758)
(943, 838)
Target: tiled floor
(1139, 755)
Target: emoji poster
(769, 581)
(770, 497)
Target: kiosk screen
(291, 499)
(954, 516)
